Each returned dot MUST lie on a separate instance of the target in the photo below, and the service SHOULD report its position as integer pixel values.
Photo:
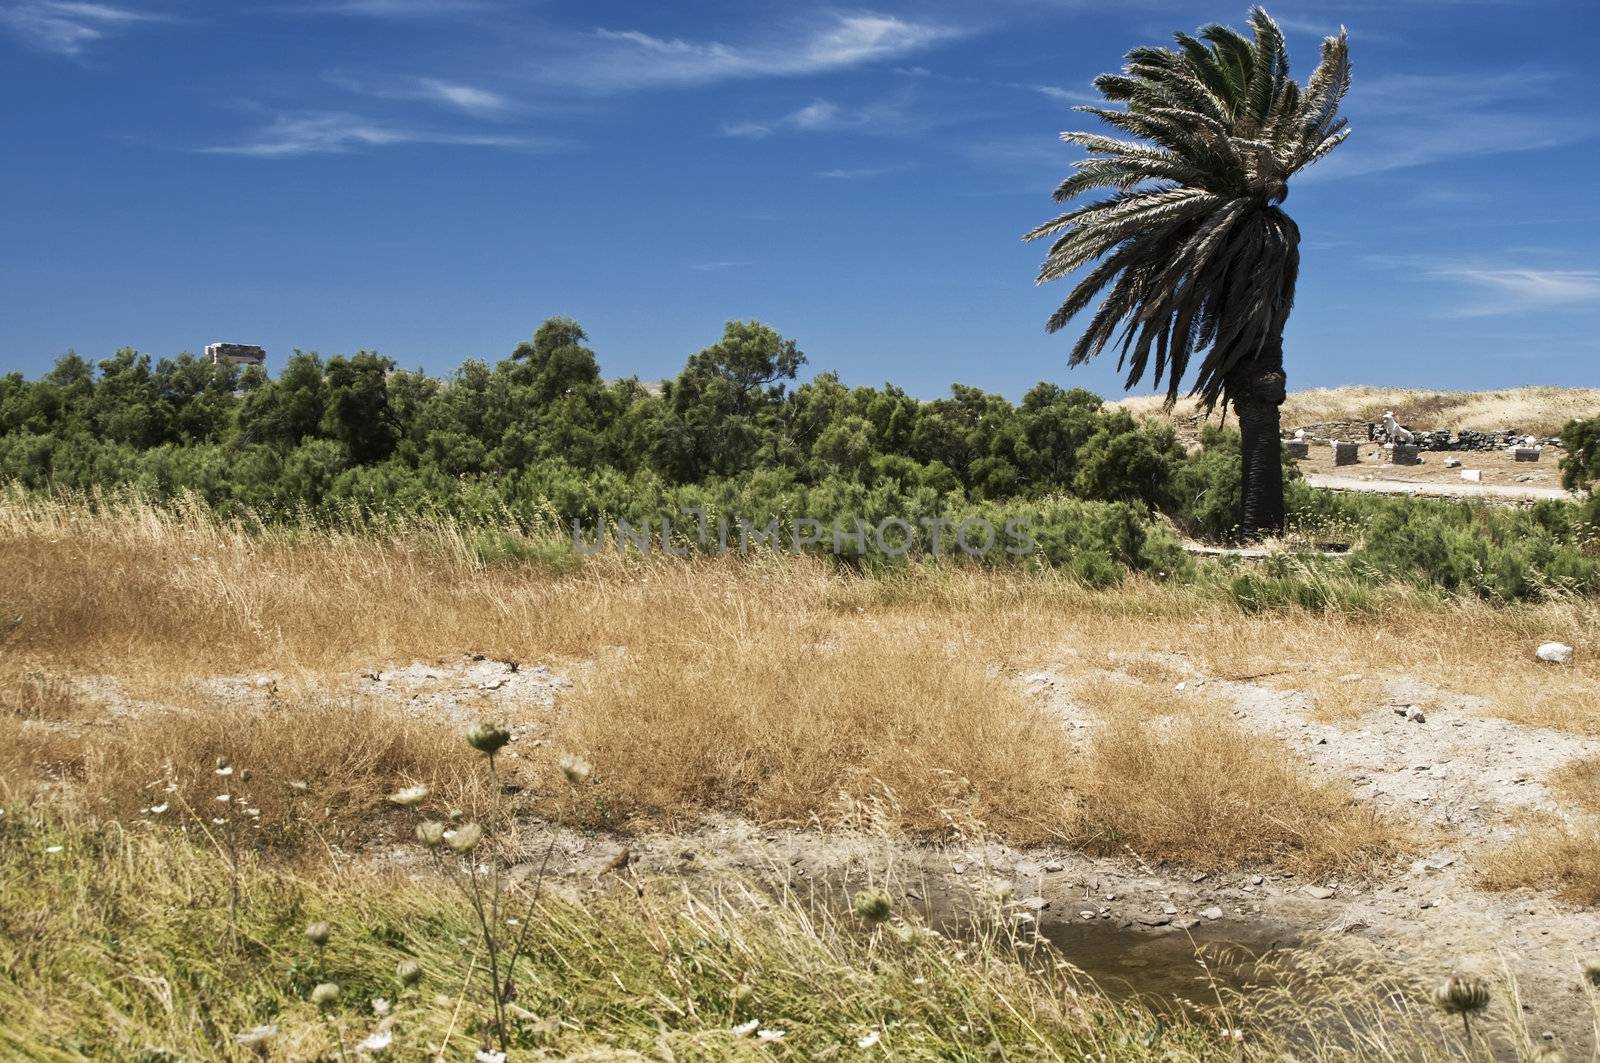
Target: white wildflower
(258, 1036)
(54, 849)
(410, 797)
(156, 810)
(869, 1040)
(744, 1029)
(377, 1042)
(483, 1055)
(380, 1007)
(771, 1035)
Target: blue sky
(431, 179)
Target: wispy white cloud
(1407, 120)
(459, 96)
(398, 8)
(469, 98)
(861, 173)
(1509, 289)
(1056, 92)
(1050, 92)
(897, 115)
(335, 133)
(816, 116)
(65, 27)
(714, 267)
(609, 60)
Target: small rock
(1200, 876)
(1033, 904)
(1087, 914)
(1256, 880)
(1452, 463)
(1472, 475)
(1415, 714)
(1184, 924)
(1320, 893)
(1052, 867)
(1212, 912)
(1554, 653)
(1155, 920)
(1169, 909)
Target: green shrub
(1580, 465)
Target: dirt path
(1498, 492)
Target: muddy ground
(1458, 774)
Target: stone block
(1346, 453)
(1525, 453)
(1299, 448)
(1405, 453)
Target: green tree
(286, 410)
(725, 402)
(356, 409)
(1193, 252)
(200, 398)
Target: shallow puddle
(1167, 965)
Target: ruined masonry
(236, 354)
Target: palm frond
(1191, 258)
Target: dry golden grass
(35, 694)
(1538, 411)
(1553, 853)
(1198, 789)
(1579, 784)
(1170, 773)
(771, 721)
(1332, 698)
(318, 771)
(780, 688)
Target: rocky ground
(1458, 774)
(1499, 475)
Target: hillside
(1540, 411)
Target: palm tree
(1193, 251)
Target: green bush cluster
(540, 440)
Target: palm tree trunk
(1257, 394)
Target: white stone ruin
(236, 354)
